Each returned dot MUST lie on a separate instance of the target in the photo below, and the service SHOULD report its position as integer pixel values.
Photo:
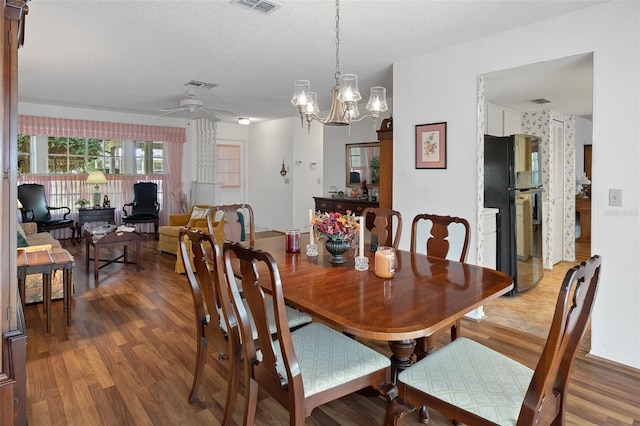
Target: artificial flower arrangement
(335, 226)
(82, 202)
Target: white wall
(307, 167)
(424, 93)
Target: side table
(90, 215)
(45, 263)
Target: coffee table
(111, 236)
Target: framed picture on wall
(431, 146)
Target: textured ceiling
(136, 56)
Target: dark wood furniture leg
(401, 358)
(138, 255)
(96, 261)
(46, 299)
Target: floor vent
(261, 6)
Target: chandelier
(344, 96)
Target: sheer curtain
(65, 190)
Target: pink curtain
(173, 157)
(31, 125)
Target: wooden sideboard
(583, 207)
(341, 205)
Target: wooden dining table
(424, 295)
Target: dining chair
(214, 315)
(233, 229)
(476, 385)
(145, 207)
(36, 209)
(437, 245)
(301, 369)
(383, 229)
(215, 319)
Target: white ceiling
(135, 56)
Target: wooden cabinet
(583, 207)
(341, 205)
(385, 136)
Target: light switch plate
(615, 197)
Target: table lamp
(97, 178)
(582, 181)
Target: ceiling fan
(194, 106)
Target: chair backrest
(383, 225)
(145, 198)
(233, 228)
(32, 197)
(437, 245)
(546, 396)
(285, 386)
(208, 289)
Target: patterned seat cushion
(473, 377)
(328, 358)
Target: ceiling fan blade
(209, 116)
(171, 111)
(221, 111)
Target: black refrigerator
(512, 184)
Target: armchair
(196, 218)
(145, 207)
(36, 209)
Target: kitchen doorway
(563, 85)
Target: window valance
(51, 126)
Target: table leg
(21, 285)
(88, 252)
(96, 261)
(66, 292)
(401, 358)
(46, 296)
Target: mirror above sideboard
(362, 163)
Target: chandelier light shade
(97, 178)
(377, 100)
(344, 96)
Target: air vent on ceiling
(261, 6)
(541, 101)
(200, 84)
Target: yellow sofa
(168, 234)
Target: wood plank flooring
(127, 359)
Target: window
(149, 157)
(228, 165)
(24, 154)
(81, 155)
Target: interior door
(557, 181)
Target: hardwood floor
(531, 311)
(127, 359)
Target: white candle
(361, 242)
(311, 226)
